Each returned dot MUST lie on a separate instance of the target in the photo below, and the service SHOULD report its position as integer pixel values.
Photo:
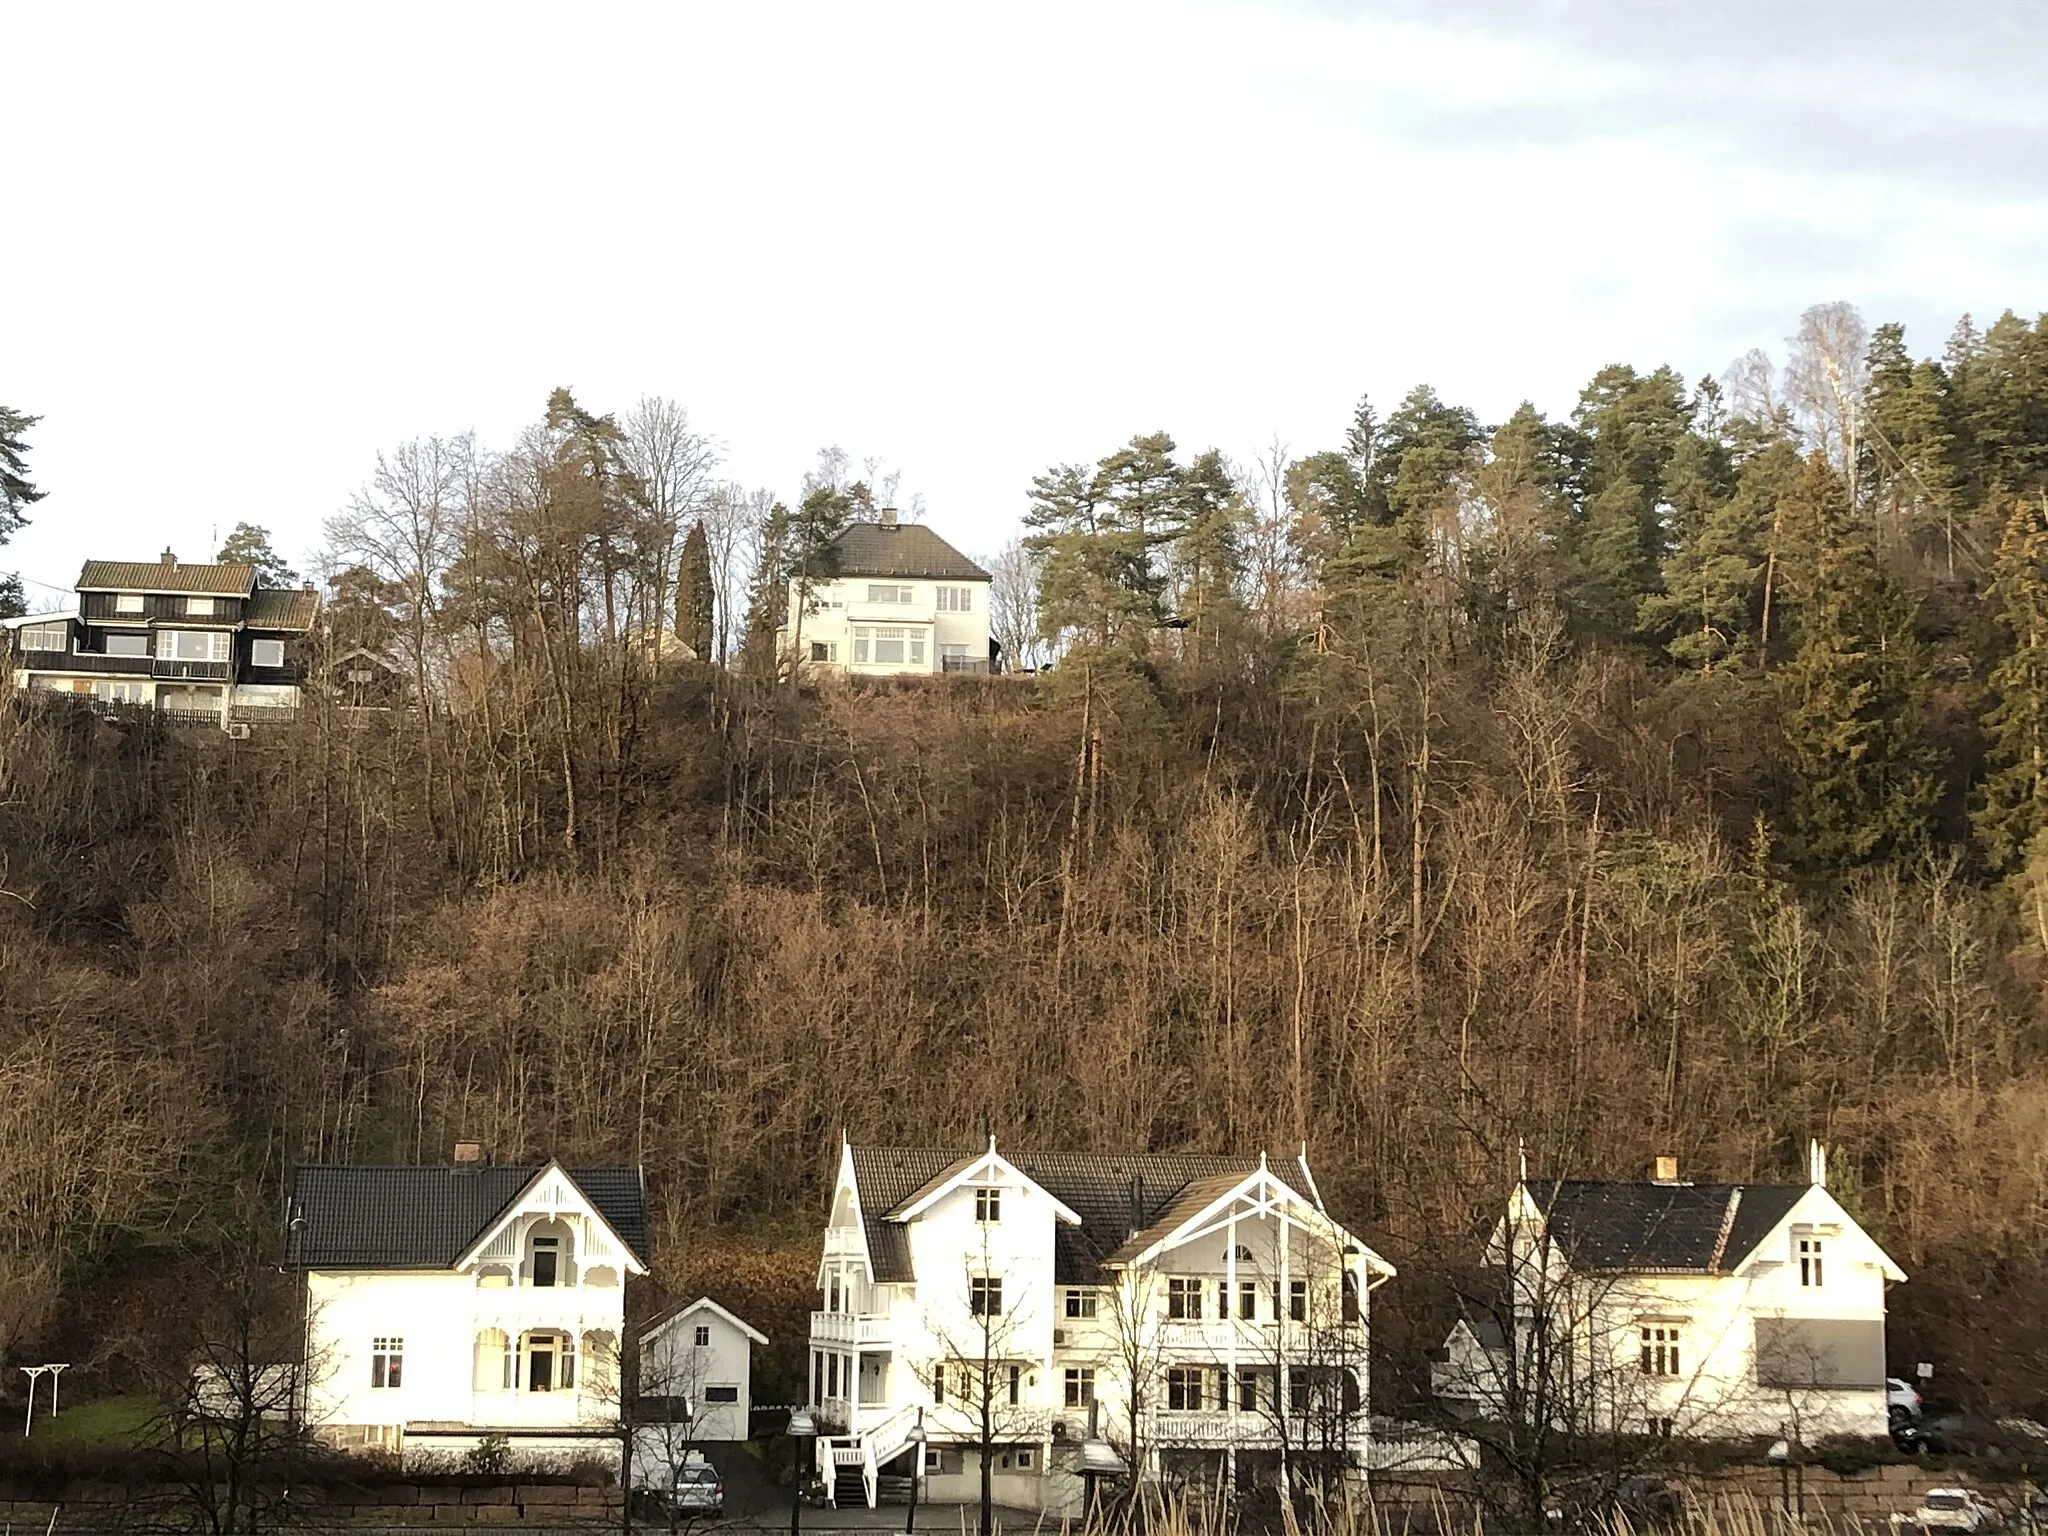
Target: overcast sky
(248, 247)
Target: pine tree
(1709, 612)
(250, 545)
(17, 491)
(2013, 803)
(1627, 429)
(13, 600)
(696, 619)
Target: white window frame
(956, 599)
(1184, 1385)
(701, 1339)
(889, 635)
(988, 1205)
(1812, 1251)
(985, 1296)
(199, 608)
(36, 637)
(1661, 1349)
(257, 652)
(891, 594)
(1081, 1303)
(387, 1363)
(126, 603)
(170, 641)
(723, 1386)
(1184, 1299)
(1078, 1390)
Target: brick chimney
(167, 558)
(468, 1153)
(888, 517)
(1667, 1170)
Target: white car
(1955, 1509)
(1900, 1397)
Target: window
(1080, 1386)
(1297, 1389)
(1184, 1299)
(1297, 1300)
(1809, 1261)
(832, 1293)
(889, 646)
(547, 1260)
(127, 645)
(956, 599)
(985, 1296)
(1024, 1461)
(191, 645)
(860, 645)
(703, 1337)
(988, 1205)
(52, 637)
(1247, 1300)
(822, 650)
(1081, 1303)
(127, 602)
(890, 595)
(831, 1375)
(1184, 1389)
(1347, 1288)
(1661, 1428)
(387, 1362)
(199, 607)
(266, 653)
(1223, 1298)
(1660, 1350)
(917, 646)
(934, 1459)
(938, 1384)
(721, 1394)
(1248, 1391)
(1016, 1385)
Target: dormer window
(1810, 1261)
(127, 602)
(988, 1205)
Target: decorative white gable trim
(978, 1171)
(702, 1304)
(1263, 1193)
(851, 1185)
(1818, 1208)
(552, 1192)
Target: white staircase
(865, 1453)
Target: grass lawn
(108, 1421)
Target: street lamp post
(917, 1439)
(801, 1428)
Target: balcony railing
(1218, 1429)
(194, 671)
(872, 1331)
(81, 661)
(967, 664)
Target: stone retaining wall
(99, 1507)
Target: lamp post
(801, 1428)
(1098, 1460)
(917, 1439)
(55, 1371)
(33, 1373)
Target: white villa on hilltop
(448, 1304)
(1206, 1312)
(894, 600)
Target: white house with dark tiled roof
(448, 1304)
(203, 641)
(892, 599)
(1662, 1306)
(1207, 1314)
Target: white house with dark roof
(891, 599)
(1661, 1306)
(1207, 1313)
(696, 1378)
(203, 641)
(447, 1304)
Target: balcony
(890, 613)
(964, 664)
(862, 1332)
(82, 661)
(1216, 1429)
(190, 671)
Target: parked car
(1901, 1399)
(696, 1491)
(1946, 1434)
(1955, 1509)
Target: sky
(249, 247)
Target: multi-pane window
(889, 645)
(956, 599)
(1080, 1386)
(1660, 1350)
(1248, 1391)
(703, 1337)
(1297, 1300)
(1247, 1300)
(824, 650)
(938, 1384)
(890, 595)
(387, 1361)
(1184, 1299)
(45, 637)
(985, 1296)
(1081, 1303)
(1809, 1261)
(988, 1205)
(1184, 1389)
(1297, 1389)
(1016, 1385)
(192, 645)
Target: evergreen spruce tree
(2012, 806)
(17, 491)
(696, 618)
(250, 545)
(13, 600)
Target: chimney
(1667, 1170)
(888, 517)
(468, 1154)
(167, 558)
(1137, 1204)
(1817, 1163)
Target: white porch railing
(869, 1331)
(881, 1440)
(1215, 1430)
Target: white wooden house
(1201, 1310)
(696, 1372)
(891, 599)
(1660, 1306)
(447, 1304)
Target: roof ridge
(1727, 1226)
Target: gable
(1769, 1237)
(702, 1310)
(551, 1192)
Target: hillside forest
(1667, 778)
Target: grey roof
(427, 1218)
(166, 576)
(1099, 1187)
(907, 549)
(282, 608)
(1646, 1225)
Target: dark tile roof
(156, 576)
(1702, 1228)
(908, 549)
(1097, 1187)
(282, 608)
(427, 1218)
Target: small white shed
(698, 1360)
